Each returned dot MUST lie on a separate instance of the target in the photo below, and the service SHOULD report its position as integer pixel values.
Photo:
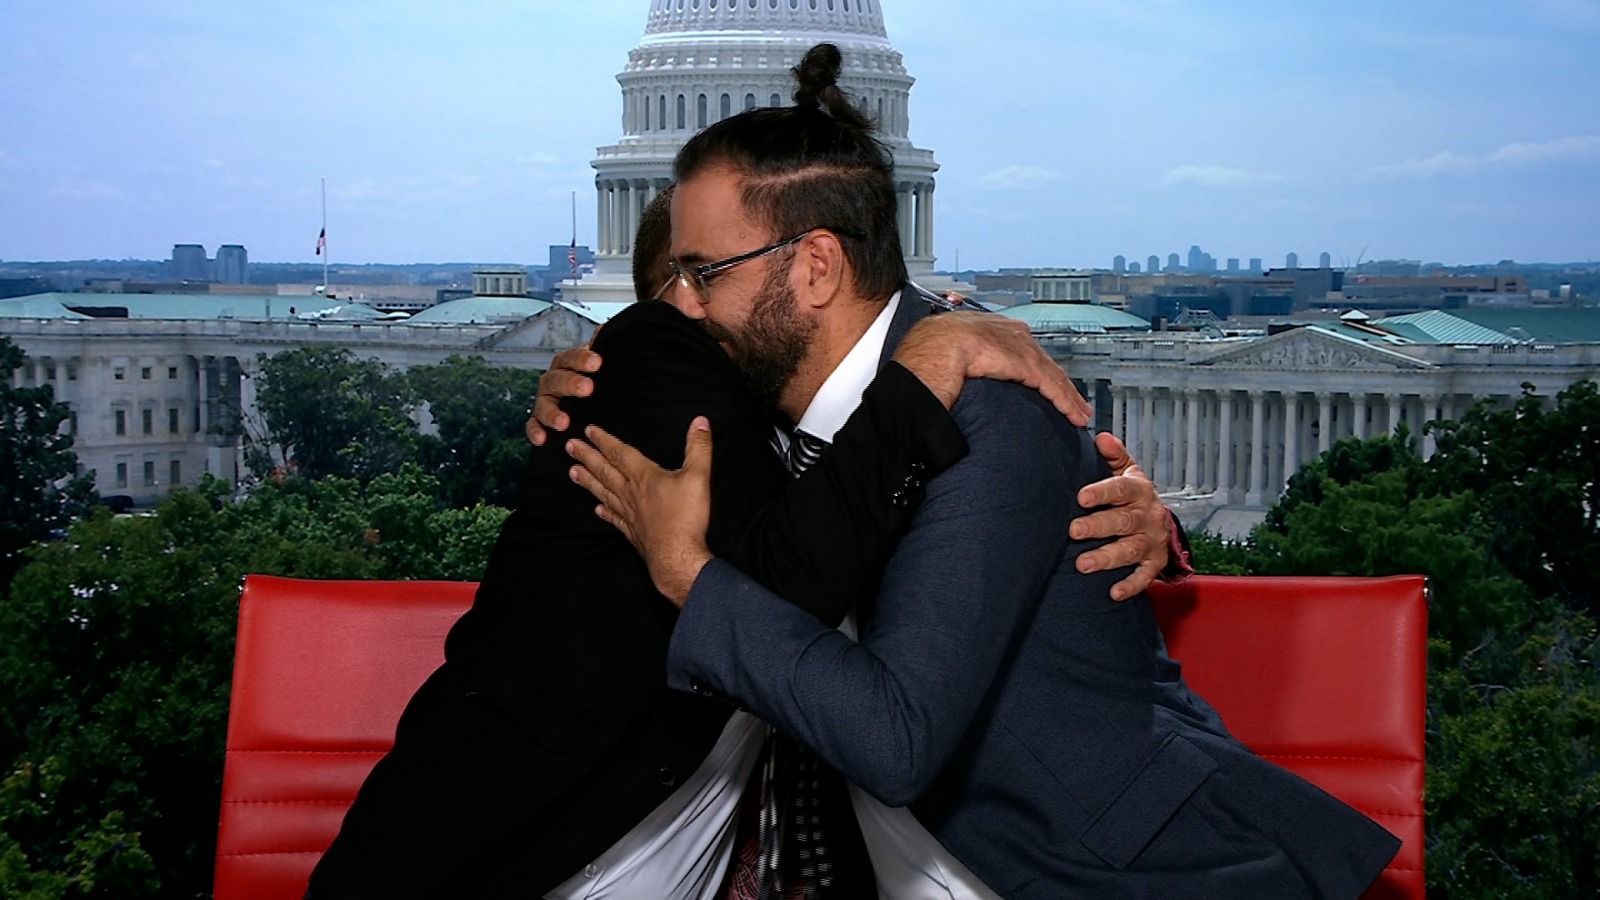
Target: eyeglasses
(697, 277)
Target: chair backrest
(321, 674)
(1326, 677)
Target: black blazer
(550, 732)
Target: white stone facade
(158, 403)
(703, 60)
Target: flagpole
(574, 250)
(325, 236)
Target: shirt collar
(841, 393)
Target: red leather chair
(1324, 676)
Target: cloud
(1585, 146)
(1448, 162)
(1018, 178)
(1218, 176)
(82, 189)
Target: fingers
(562, 383)
(1135, 584)
(697, 447)
(1119, 491)
(1117, 522)
(1115, 453)
(577, 359)
(1126, 552)
(535, 432)
(595, 474)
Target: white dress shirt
(682, 849)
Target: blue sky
(1068, 130)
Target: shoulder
(653, 335)
(1012, 427)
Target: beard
(770, 347)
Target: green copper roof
(1439, 327)
(1075, 318)
(1552, 325)
(481, 311)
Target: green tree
(116, 649)
(40, 491)
(479, 453)
(1502, 520)
(330, 413)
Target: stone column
(204, 362)
(1291, 428)
(1324, 421)
(1394, 412)
(1430, 405)
(602, 227)
(1258, 449)
(1192, 477)
(1359, 413)
(1161, 439)
(1148, 434)
(927, 219)
(1118, 403)
(1225, 445)
(902, 197)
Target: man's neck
(840, 328)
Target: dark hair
(814, 165)
(651, 245)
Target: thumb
(697, 446)
(1116, 455)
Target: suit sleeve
(960, 589)
(818, 541)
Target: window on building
(121, 416)
(149, 473)
(122, 475)
(647, 114)
(147, 421)
(749, 102)
(775, 101)
(175, 473)
(49, 372)
(172, 420)
(701, 110)
(144, 373)
(683, 106)
(172, 373)
(726, 109)
(72, 422)
(119, 374)
(72, 373)
(662, 109)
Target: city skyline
(1256, 130)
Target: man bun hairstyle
(816, 164)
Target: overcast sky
(1068, 130)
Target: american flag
(572, 258)
(322, 241)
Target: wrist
(677, 579)
(941, 369)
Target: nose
(683, 299)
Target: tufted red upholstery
(1324, 676)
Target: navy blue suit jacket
(1034, 726)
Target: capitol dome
(701, 61)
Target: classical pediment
(1313, 348)
(556, 328)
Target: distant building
(189, 263)
(1062, 287)
(1173, 264)
(1292, 261)
(500, 282)
(1197, 258)
(1153, 264)
(1133, 268)
(1119, 264)
(232, 265)
(1233, 264)
(1255, 264)
(1325, 261)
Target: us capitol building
(162, 387)
(702, 61)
